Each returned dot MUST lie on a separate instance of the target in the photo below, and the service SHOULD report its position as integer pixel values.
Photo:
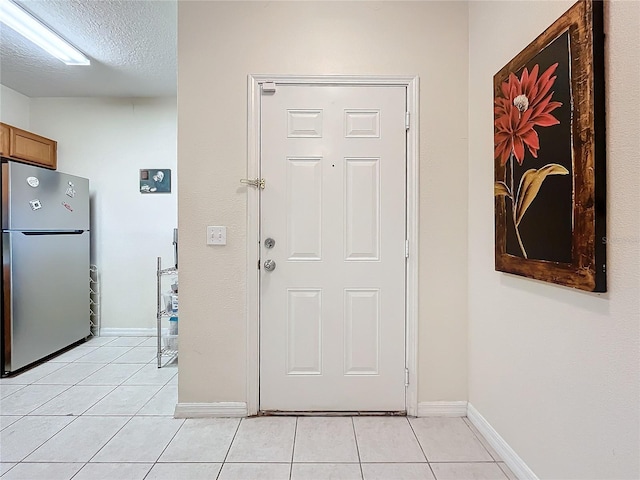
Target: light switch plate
(216, 235)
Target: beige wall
(555, 370)
(219, 44)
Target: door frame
(412, 84)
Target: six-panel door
(332, 317)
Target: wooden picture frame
(549, 154)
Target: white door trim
(253, 221)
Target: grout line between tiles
(77, 384)
(481, 440)
(224, 460)
(31, 452)
(150, 399)
(79, 470)
(118, 384)
(162, 385)
(355, 437)
(61, 364)
(43, 404)
(169, 442)
(21, 417)
(109, 362)
(81, 345)
(14, 466)
(326, 462)
(421, 448)
(104, 344)
(9, 394)
(502, 466)
(99, 400)
(110, 438)
(465, 462)
(71, 363)
(293, 448)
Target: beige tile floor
(103, 410)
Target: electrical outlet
(216, 235)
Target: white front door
(332, 311)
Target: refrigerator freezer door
(46, 294)
(37, 199)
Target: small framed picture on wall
(155, 180)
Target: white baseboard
(128, 332)
(502, 448)
(442, 409)
(209, 410)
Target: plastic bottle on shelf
(171, 302)
(173, 333)
(173, 325)
(174, 302)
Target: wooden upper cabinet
(22, 146)
(4, 140)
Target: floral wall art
(549, 155)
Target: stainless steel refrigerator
(45, 259)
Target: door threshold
(320, 413)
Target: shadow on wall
(588, 301)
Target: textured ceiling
(131, 44)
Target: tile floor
(103, 410)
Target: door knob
(269, 265)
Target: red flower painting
(525, 105)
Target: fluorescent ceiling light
(30, 28)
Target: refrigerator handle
(70, 232)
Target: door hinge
(406, 249)
(258, 264)
(269, 87)
(407, 120)
(406, 377)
